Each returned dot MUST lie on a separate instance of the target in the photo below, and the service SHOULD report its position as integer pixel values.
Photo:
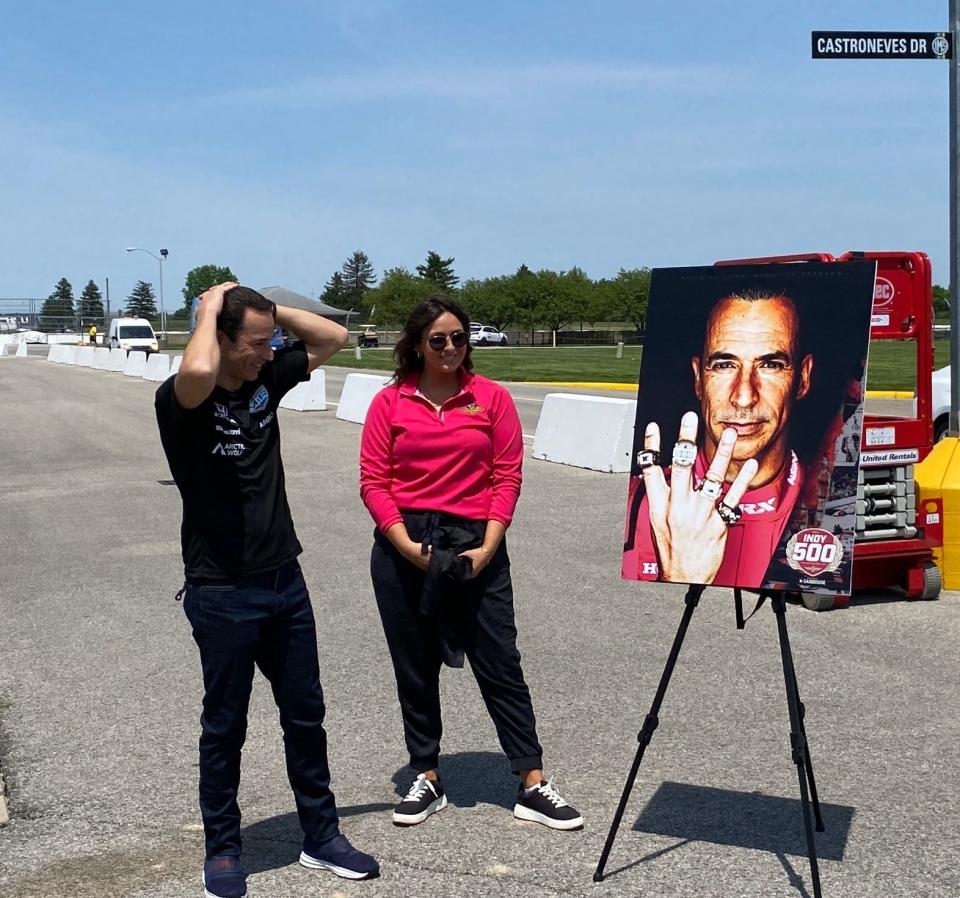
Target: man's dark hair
(235, 300)
(405, 352)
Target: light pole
(160, 259)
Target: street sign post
(919, 45)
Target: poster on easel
(747, 434)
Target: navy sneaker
(338, 856)
(424, 798)
(544, 804)
(223, 877)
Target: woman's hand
(414, 553)
(479, 559)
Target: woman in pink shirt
(440, 471)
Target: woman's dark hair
(405, 352)
(235, 300)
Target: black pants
(488, 635)
(267, 621)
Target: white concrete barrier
(101, 358)
(117, 360)
(85, 356)
(135, 364)
(157, 368)
(55, 353)
(63, 338)
(592, 432)
(69, 355)
(308, 396)
(21, 352)
(175, 364)
(358, 392)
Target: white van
(133, 333)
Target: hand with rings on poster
(689, 523)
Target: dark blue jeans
(267, 621)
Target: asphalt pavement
(100, 694)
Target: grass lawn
(892, 365)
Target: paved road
(100, 691)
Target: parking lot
(100, 692)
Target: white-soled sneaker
(544, 804)
(425, 797)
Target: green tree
(490, 301)
(398, 293)
(91, 302)
(560, 297)
(201, 279)
(358, 277)
(57, 312)
(439, 271)
(334, 290)
(141, 302)
(941, 300)
(630, 292)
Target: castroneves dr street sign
(881, 44)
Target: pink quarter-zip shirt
(464, 458)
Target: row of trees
(551, 299)
(525, 298)
(59, 308)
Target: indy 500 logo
(814, 552)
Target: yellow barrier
(938, 476)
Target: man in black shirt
(244, 594)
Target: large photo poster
(747, 435)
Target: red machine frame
(902, 310)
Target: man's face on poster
(748, 378)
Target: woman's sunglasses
(438, 342)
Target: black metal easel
(799, 749)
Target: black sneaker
(424, 798)
(544, 804)
(223, 877)
(338, 856)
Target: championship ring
(711, 489)
(647, 458)
(684, 453)
(729, 515)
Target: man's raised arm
(321, 337)
(201, 359)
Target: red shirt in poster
(750, 542)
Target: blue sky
(277, 138)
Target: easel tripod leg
(798, 739)
(650, 724)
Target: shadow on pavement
(470, 778)
(276, 842)
(743, 819)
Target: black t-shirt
(225, 458)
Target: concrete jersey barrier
(135, 364)
(175, 364)
(85, 355)
(101, 358)
(157, 367)
(21, 352)
(69, 355)
(308, 395)
(594, 432)
(116, 361)
(358, 393)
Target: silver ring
(647, 458)
(729, 514)
(684, 453)
(711, 489)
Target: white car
(941, 403)
(484, 335)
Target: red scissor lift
(894, 537)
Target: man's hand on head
(211, 301)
